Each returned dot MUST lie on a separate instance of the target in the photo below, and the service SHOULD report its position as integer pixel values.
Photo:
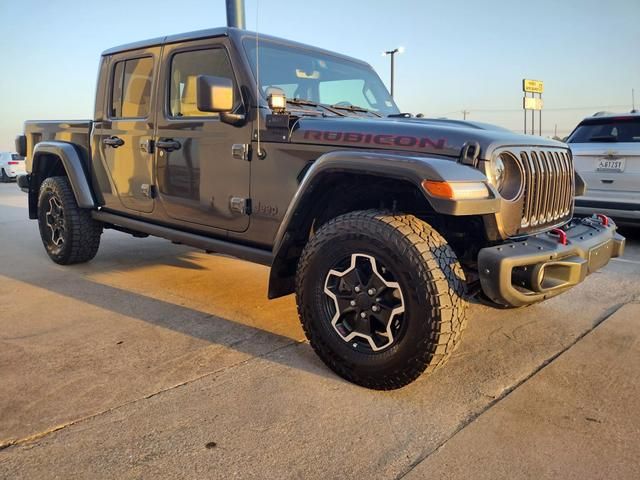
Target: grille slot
(549, 188)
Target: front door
(123, 137)
(200, 181)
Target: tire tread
(437, 267)
(84, 232)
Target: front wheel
(381, 298)
(69, 233)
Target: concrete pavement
(577, 418)
(158, 360)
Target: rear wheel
(69, 233)
(380, 297)
(4, 177)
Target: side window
(185, 68)
(131, 91)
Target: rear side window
(185, 68)
(131, 91)
(607, 130)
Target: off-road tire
(80, 233)
(432, 283)
(4, 178)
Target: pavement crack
(508, 390)
(39, 435)
(36, 436)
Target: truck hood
(425, 136)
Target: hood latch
(469, 154)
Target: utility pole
(465, 113)
(555, 131)
(633, 99)
(393, 54)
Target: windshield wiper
(355, 108)
(603, 138)
(309, 103)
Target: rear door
(200, 181)
(122, 139)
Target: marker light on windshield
(277, 102)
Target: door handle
(113, 141)
(168, 144)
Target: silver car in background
(606, 153)
(11, 165)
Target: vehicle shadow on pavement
(249, 336)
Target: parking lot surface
(157, 360)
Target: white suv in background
(606, 153)
(11, 165)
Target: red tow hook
(604, 220)
(562, 236)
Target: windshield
(319, 78)
(622, 129)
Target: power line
(553, 109)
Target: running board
(252, 254)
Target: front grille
(549, 186)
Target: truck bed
(75, 131)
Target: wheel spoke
(54, 219)
(366, 304)
(344, 304)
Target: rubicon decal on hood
(388, 140)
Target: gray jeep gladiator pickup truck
(383, 224)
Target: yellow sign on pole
(531, 103)
(532, 86)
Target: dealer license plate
(605, 165)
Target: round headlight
(507, 176)
(498, 173)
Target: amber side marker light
(456, 190)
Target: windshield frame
(248, 46)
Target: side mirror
(214, 94)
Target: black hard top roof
(217, 32)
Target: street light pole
(393, 59)
(393, 54)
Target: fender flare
(411, 168)
(72, 162)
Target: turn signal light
(456, 190)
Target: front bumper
(541, 266)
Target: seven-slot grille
(548, 186)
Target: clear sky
(460, 55)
